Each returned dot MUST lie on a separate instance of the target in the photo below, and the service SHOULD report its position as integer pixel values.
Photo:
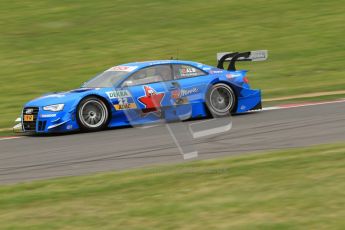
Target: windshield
(106, 79)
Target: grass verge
(8, 133)
(291, 189)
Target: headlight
(54, 108)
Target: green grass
(56, 45)
(291, 189)
(6, 133)
(10, 133)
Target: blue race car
(145, 92)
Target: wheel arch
(106, 102)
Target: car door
(150, 93)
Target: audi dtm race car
(146, 92)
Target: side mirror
(127, 83)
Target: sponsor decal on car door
(122, 99)
(152, 100)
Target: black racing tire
(220, 100)
(92, 114)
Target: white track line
(296, 105)
(269, 108)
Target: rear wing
(233, 57)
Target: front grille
(30, 125)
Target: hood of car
(60, 97)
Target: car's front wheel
(220, 100)
(92, 114)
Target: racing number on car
(122, 99)
(124, 104)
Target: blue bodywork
(194, 91)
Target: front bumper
(47, 122)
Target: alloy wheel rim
(93, 114)
(221, 99)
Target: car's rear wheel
(220, 100)
(92, 114)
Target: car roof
(161, 62)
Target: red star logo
(152, 100)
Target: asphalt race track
(38, 157)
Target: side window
(149, 75)
(186, 71)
